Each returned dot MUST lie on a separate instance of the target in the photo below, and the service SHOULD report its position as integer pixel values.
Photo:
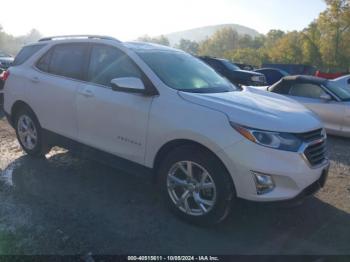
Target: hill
(202, 33)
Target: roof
(66, 37)
(304, 79)
(144, 46)
(136, 46)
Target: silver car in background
(327, 99)
(343, 81)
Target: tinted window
(272, 76)
(184, 72)
(280, 88)
(68, 60)
(306, 90)
(218, 66)
(339, 91)
(26, 53)
(44, 62)
(107, 63)
(230, 66)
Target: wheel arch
(171, 145)
(18, 105)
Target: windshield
(184, 72)
(230, 66)
(342, 93)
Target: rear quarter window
(26, 53)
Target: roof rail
(62, 37)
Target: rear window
(66, 60)
(26, 53)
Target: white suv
(164, 110)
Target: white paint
(135, 127)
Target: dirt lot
(67, 205)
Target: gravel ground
(68, 205)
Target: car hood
(259, 109)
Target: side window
(306, 90)
(26, 53)
(216, 65)
(107, 63)
(44, 62)
(68, 60)
(281, 88)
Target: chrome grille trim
(314, 148)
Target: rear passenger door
(54, 86)
(112, 121)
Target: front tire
(29, 133)
(196, 186)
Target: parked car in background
(245, 66)
(293, 69)
(343, 81)
(5, 61)
(234, 73)
(329, 75)
(329, 101)
(272, 75)
(158, 110)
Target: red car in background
(329, 75)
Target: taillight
(5, 75)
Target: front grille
(312, 135)
(316, 153)
(316, 146)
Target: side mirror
(128, 84)
(325, 97)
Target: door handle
(87, 93)
(35, 79)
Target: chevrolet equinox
(158, 109)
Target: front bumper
(292, 175)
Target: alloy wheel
(191, 188)
(27, 132)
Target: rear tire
(196, 186)
(29, 133)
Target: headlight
(257, 79)
(277, 140)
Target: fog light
(264, 183)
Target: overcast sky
(128, 19)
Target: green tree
(272, 38)
(248, 55)
(222, 41)
(188, 46)
(287, 49)
(161, 40)
(311, 38)
(334, 26)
